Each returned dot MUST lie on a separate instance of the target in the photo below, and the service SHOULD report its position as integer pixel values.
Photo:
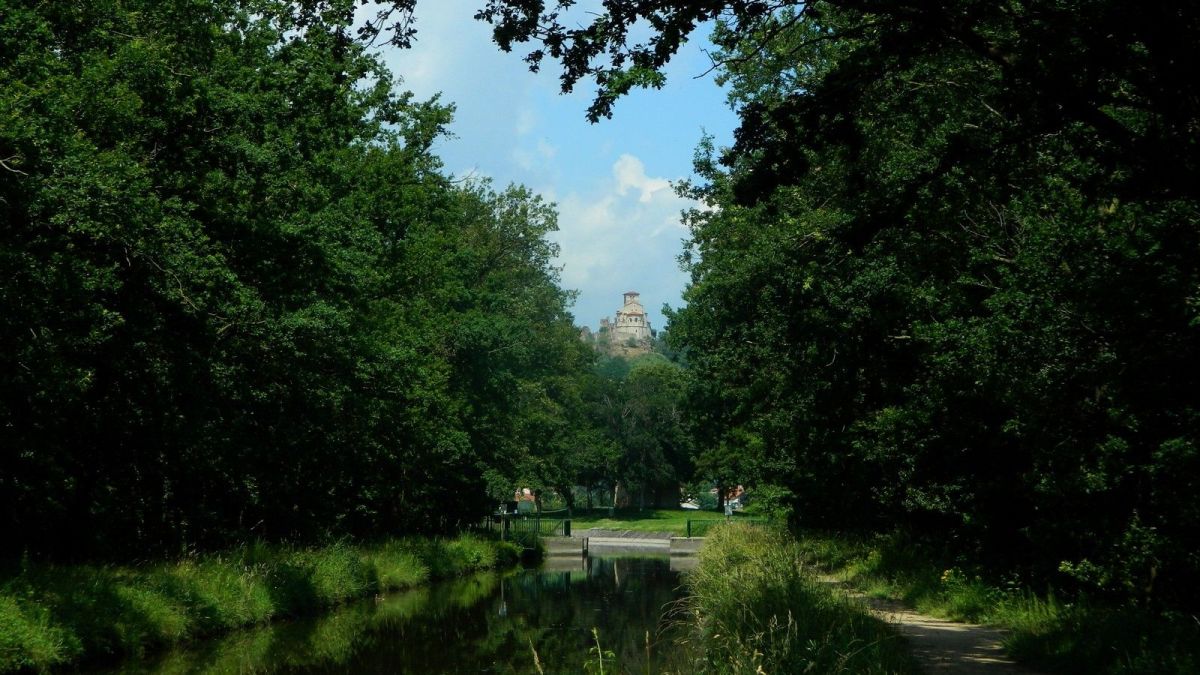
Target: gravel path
(944, 647)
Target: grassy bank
(53, 615)
(644, 520)
(329, 641)
(758, 607)
(1075, 635)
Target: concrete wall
(686, 546)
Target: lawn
(647, 520)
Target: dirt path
(944, 647)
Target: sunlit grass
(28, 639)
(646, 520)
(758, 607)
(53, 615)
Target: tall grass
(758, 607)
(54, 615)
(1058, 634)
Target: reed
(758, 607)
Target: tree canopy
(948, 285)
(241, 298)
(947, 274)
(946, 279)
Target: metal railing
(507, 525)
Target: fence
(697, 528)
(509, 525)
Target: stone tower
(631, 322)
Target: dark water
(489, 623)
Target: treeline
(241, 298)
(947, 275)
(614, 434)
(949, 282)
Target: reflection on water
(481, 624)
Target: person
(728, 509)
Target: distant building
(632, 322)
(628, 334)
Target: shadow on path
(944, 647)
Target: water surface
(487, 623)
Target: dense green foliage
(648, 421)
(945, 281)
(758, 607)
(51, 615)
(240, 298)
(967, 316)
(619, 424)
(947, 276)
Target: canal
(487, 623)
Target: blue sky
(618, 215)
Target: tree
(656, 450)
(946, 278)
(940, 281)
(241, 299)
(1121, 74)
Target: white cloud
(540, 155)
(546, 150)
(522, 158)
(527, 121)
(631, 173)
(619, 216)
(626, 233)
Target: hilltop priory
(628, 334)
(632, 322)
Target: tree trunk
(569, 498)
